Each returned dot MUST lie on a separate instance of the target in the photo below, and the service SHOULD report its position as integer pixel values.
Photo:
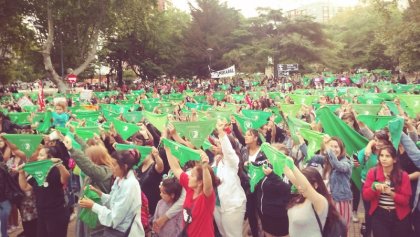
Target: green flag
(86, 215)
(143, 150)
(207, 145)
(39, 170)
(276, 96)
(45, 125)
(315, 140)
(25, 142)
(375, 122)
(290, 109)
(413, 104)
(149, 105)
(126, 130)
(158, 120)
(109, 115)
(295, 125)
(352, 140)
(255, 95)
(395, 129)
(277, 159)
(167, 108)
(256, 114)
(334, 126)
(213, 114)
(304, 99)
(195, 132)
(219, 96)
(237, 97)
(87, 115)
(181, 152)
(200, 98)
(133, 117)
(367, 109)
(30, 108)
(86, 132)
(256, 174)
(248, 123)
(21, 118)
(370, 100)
(75, 144)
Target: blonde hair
(62, 104)
(99, 155)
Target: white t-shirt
(252, 158)
(302, 220)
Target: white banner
(228, 72)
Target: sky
(248, 7)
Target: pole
(61, 56)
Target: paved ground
(354, 228)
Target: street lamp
(210, 51)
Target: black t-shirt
(149, 181)
(51, 197)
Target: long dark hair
(396, 173)
(256, 134)
(126, 160)
(314, 177)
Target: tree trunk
(120, 74)
(46, 54)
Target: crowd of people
(115, 183)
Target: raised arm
(173, 163)
(302, 183)
(158, 160)
(207, 182)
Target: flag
(158, 120)
(277, 159)
(30, 108)
(295, 125)
(200, 98)
(20, 118)
(413, 104)
(352, 140)
(133, 117)
(256, 174)
(181, 152)
(86, 215)
(195, 132)
(143, 150)
(87, 132)
(367, 109)
(395, 127)
(219, 96)
(41, 98)
(256, 114)
(315, 140)
(290, 109)
(303, 99)
(223, 115)
(247, 123)
(87, 115)
(375, 122)
(237, 97)
(149, 104)
(126, 130)
(276, 96)
(25, 142)
(45, 125)
(39, 170)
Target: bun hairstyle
(127, 159)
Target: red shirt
(402, 192)
(202, 211)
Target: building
(322, 10)
(164, 4)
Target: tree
(300, 40)
(211, 27)
(150, 46)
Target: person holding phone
(388, 189)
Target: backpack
(13, 192)
(336, 228)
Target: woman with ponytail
(121, 208)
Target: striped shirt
(385, 200)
